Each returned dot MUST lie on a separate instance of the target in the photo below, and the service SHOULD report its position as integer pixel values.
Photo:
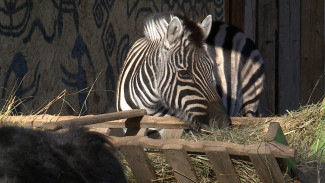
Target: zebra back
(239, 69)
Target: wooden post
(227, 11)
(250, 19)
(222, 164)
(178, 159)
(139, 162)
(266, 43)
(237, 8)
(275, 134)
(172, 133)
(266, 166)
(312, 51)
(289, 55)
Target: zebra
(173, 71)
(239, 69)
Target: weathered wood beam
(115, 120)
(278, 150)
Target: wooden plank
(227, 11)
(278, 150)
(172, 133)
(139, 162)
(266, 166)
(37, 121)
(142, 132)
(275, 134)
(222, 164)
(237, 16)
(178, 159)
(95, 119)
(170, 122)
(312, 51)
(266, 43)
(250, 19)
(289, 55)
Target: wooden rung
(142, 132)
(95, 119)
(278, 150)
(178, 159)
(139, 162)
(266, 166)
(172, 133)
(114, 120)
(275, 134)
(222, 164)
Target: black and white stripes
(239, 69)
(171, 71)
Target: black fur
(76, 155)
(196, 35)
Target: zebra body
(239, 69)
(170, 72)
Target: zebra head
(185, 79)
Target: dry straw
(301, 129)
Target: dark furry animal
(76, 155)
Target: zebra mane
(155, 27)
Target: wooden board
(275, 134)
(266, 43)
(172, 133)
(131, 114)
(178, 159)
(222, 164)
(237, 16)
(312, 51)
(250, 19)
(227, 11)
(289, 55)
(37, 121)
(278, 150)
(139, 162)
(266, 166)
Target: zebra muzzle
(217, 115)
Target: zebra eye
(184, 74)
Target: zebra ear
(206, 26)
(174, 30)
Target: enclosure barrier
(269, 158)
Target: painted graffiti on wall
(19, 68)
(76, 45)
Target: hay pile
(300, 128)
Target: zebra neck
(144, 64)
(155, 28)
